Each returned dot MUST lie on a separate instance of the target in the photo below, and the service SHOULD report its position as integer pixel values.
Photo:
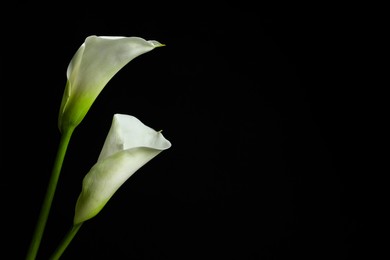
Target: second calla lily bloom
(97, 60)
(129, 145)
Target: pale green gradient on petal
(129, 145)
(96, 61)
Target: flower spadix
(96, 61)
(129, 145)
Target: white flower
(129, 145)
(96, 61)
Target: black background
(256, 101)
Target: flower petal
(129, 145)
(96, 61)
(128, 132)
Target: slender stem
(46, 205)
(65, 242)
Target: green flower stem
(46, 205)
(65, 242)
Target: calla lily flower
(96, 61)
(129, 145)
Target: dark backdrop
(255, 100)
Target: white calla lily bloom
(96, 61)
(129, 145)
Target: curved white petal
(97, 60)
(129, 132)
(129, 145)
